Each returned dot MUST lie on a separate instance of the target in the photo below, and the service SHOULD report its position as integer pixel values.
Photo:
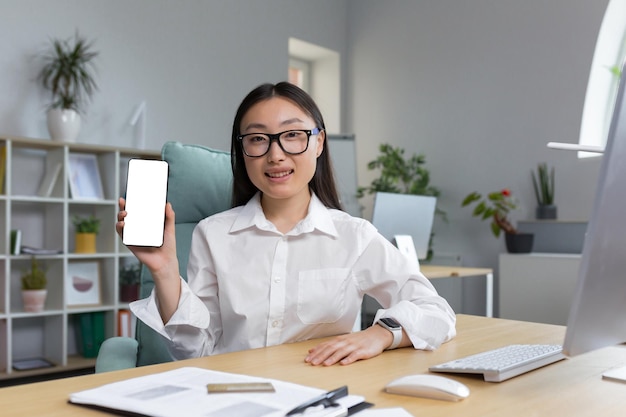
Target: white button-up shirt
(252, 286)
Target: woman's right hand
(156, 259)
(162, 261)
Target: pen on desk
(327, 399)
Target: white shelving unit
(45, 222)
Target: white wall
(479, 87)
(192, 61)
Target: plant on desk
(86, 230)
(402, 176)
(543, 184)
(496, 207)
(34, 290)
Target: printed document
(183, 392)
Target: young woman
(285, 263)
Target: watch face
(391, 323)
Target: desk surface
(443, 271)
(570, 387)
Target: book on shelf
(49, 179)
(31, 363)
(126, 321)
(3, 166)
(29, 250)
(90, 332)
(16, 241)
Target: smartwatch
(395, 329)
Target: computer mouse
(428, 386)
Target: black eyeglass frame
(275, 137)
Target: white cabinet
(46, 222)
(538, 287)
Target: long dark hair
(323, 181)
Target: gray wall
(192, 61)
(478, 86)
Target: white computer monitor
(405, 214)
(598, 313)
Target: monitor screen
(405, 214)
(598, 313)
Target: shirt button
(277, 279)
(274, 323)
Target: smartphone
(146, 194)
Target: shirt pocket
(322, 295)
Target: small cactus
(35, 278)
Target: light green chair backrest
(199, 185)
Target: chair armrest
(117, 353)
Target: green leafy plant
(68, 73)
(399, 175)
(495, 206)
(543, 183)
(89, 224)
(129, 274)
(35, 278)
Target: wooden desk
(572, 387)
(439, 271)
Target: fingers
(119, 226)
(345, 349)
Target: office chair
(199, 185)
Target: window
(316, 70)
(300, 73)
(603, 77)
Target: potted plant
(543, 184)
(496, 207)
(67, 73)
(401, 175)
(34, 290)
(86, 229)
(129, 282)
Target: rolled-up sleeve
(182, 330)
(405, 294)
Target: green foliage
(129, 274)
(399, 175)
(615, 70)
(543, 183)
(496, 206)
(89, 224)
(35, 278)
(67, 73)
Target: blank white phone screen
(146, 194)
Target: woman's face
(279, 175)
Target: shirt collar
(318, 217)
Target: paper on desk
(183, 392)
(385, 412)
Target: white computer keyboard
(503, 363)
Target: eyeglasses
(292, 142)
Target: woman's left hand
(351, 347)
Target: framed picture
(82, 283)
(85, 182)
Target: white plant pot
(63, 124)
(34, 300)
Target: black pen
(327, 399)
